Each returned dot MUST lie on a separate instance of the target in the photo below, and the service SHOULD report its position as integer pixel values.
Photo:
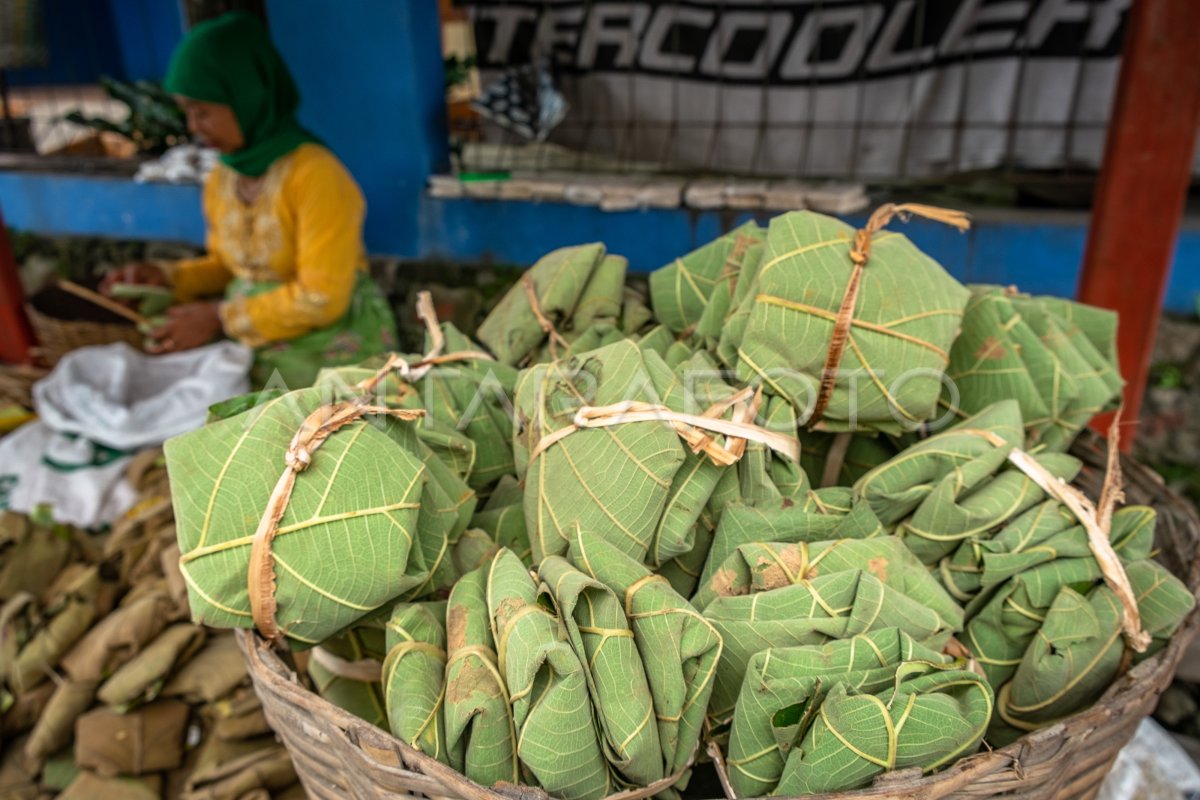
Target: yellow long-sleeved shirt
(304, 230)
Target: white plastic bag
(97, 408)
(82, 482)
(125, 399)
(1153, 766)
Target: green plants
(155, 122)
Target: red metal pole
(1143, 182)
(16, 336)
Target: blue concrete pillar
(372, 87)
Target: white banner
(847, 88)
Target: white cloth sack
(125, 399)
(83, 483)
(97, 408)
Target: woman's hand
(140, 272)
(187, 326)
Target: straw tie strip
(1096, 520)
(860, 253)
(556, 339)
(366, 670)
(686, 425)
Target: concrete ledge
(1038, 251)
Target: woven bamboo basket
(339, 756)
(59, 331)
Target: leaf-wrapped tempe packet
(1056, 358)
(822, 515)
(682, 290)
(958, 484)
(599, 633)
(679, 648)
(854, 328)
(478, 717)
(837, 605)
(601, 446)
(514, 330)
(413, 676)
(552, 712)
(765, 566)
(784, 688)
(344, 540)
(928, 717)
(1050, 638)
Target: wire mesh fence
(874, 90)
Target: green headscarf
(231, 60)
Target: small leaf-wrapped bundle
(678, 647)
(836, 326)
(141, 678)
(1044, 533)
(503, 518)
(1083, 341)
(600, 635)
(478, 717)
(931, 716)
(765, 566)
(614, 479)
(31, 555)
(556, 735)
(347, 671)
(822, 515)
(361, 486)
(1078, 650)
(958, 484)
(1031, 349)
(65, 619)
(784, 688)
(1049, 638)
(682, 290)
(833, 606)
(514, 329)
(413, 681)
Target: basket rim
(266, 667)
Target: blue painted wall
(370, 76)
(82, 43)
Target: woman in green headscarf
(284, 220)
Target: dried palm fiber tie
(895, 310)
(619, 407)
(554, 338)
